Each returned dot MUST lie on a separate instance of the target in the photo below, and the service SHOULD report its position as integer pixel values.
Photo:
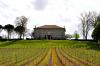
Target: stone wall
(57, 33)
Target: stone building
(49, 32)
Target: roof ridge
(49, 26)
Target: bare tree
(87, 22)
(93, 18)
(22, 21)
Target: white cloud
(59, 12)
(40, 4)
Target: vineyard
(49, 53)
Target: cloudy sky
(40, 12)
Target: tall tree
(87, 22)
(19, 30)
(97, 21)
(96, 31)
(93, 18)
(9, 28)
(1, 27)
(22, 21)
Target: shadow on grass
(93, 46)
(8, 43)
(89, 44)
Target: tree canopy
(20, 30)
(9, 28)
(88, 21)
(96, 31)
(68, 36)
(22, 22)
(76, 35)
(1, 27)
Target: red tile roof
(49, 26)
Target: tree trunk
(96, 41)
(23, 36)
(86, 37)
(20, 36)
(8, 35)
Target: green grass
(21, 49)
(41, 44)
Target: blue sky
(40, 12)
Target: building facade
(49, 32)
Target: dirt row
(80, 62)
(55, 60)
(54, 57)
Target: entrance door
(49, 37)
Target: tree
(9, 28)
(68, 36)
(1, 27)
(19, 30)
(96, 31)
(76, 35)
(87, 22)
(93, 18)
(22, 21)
(97, 21)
